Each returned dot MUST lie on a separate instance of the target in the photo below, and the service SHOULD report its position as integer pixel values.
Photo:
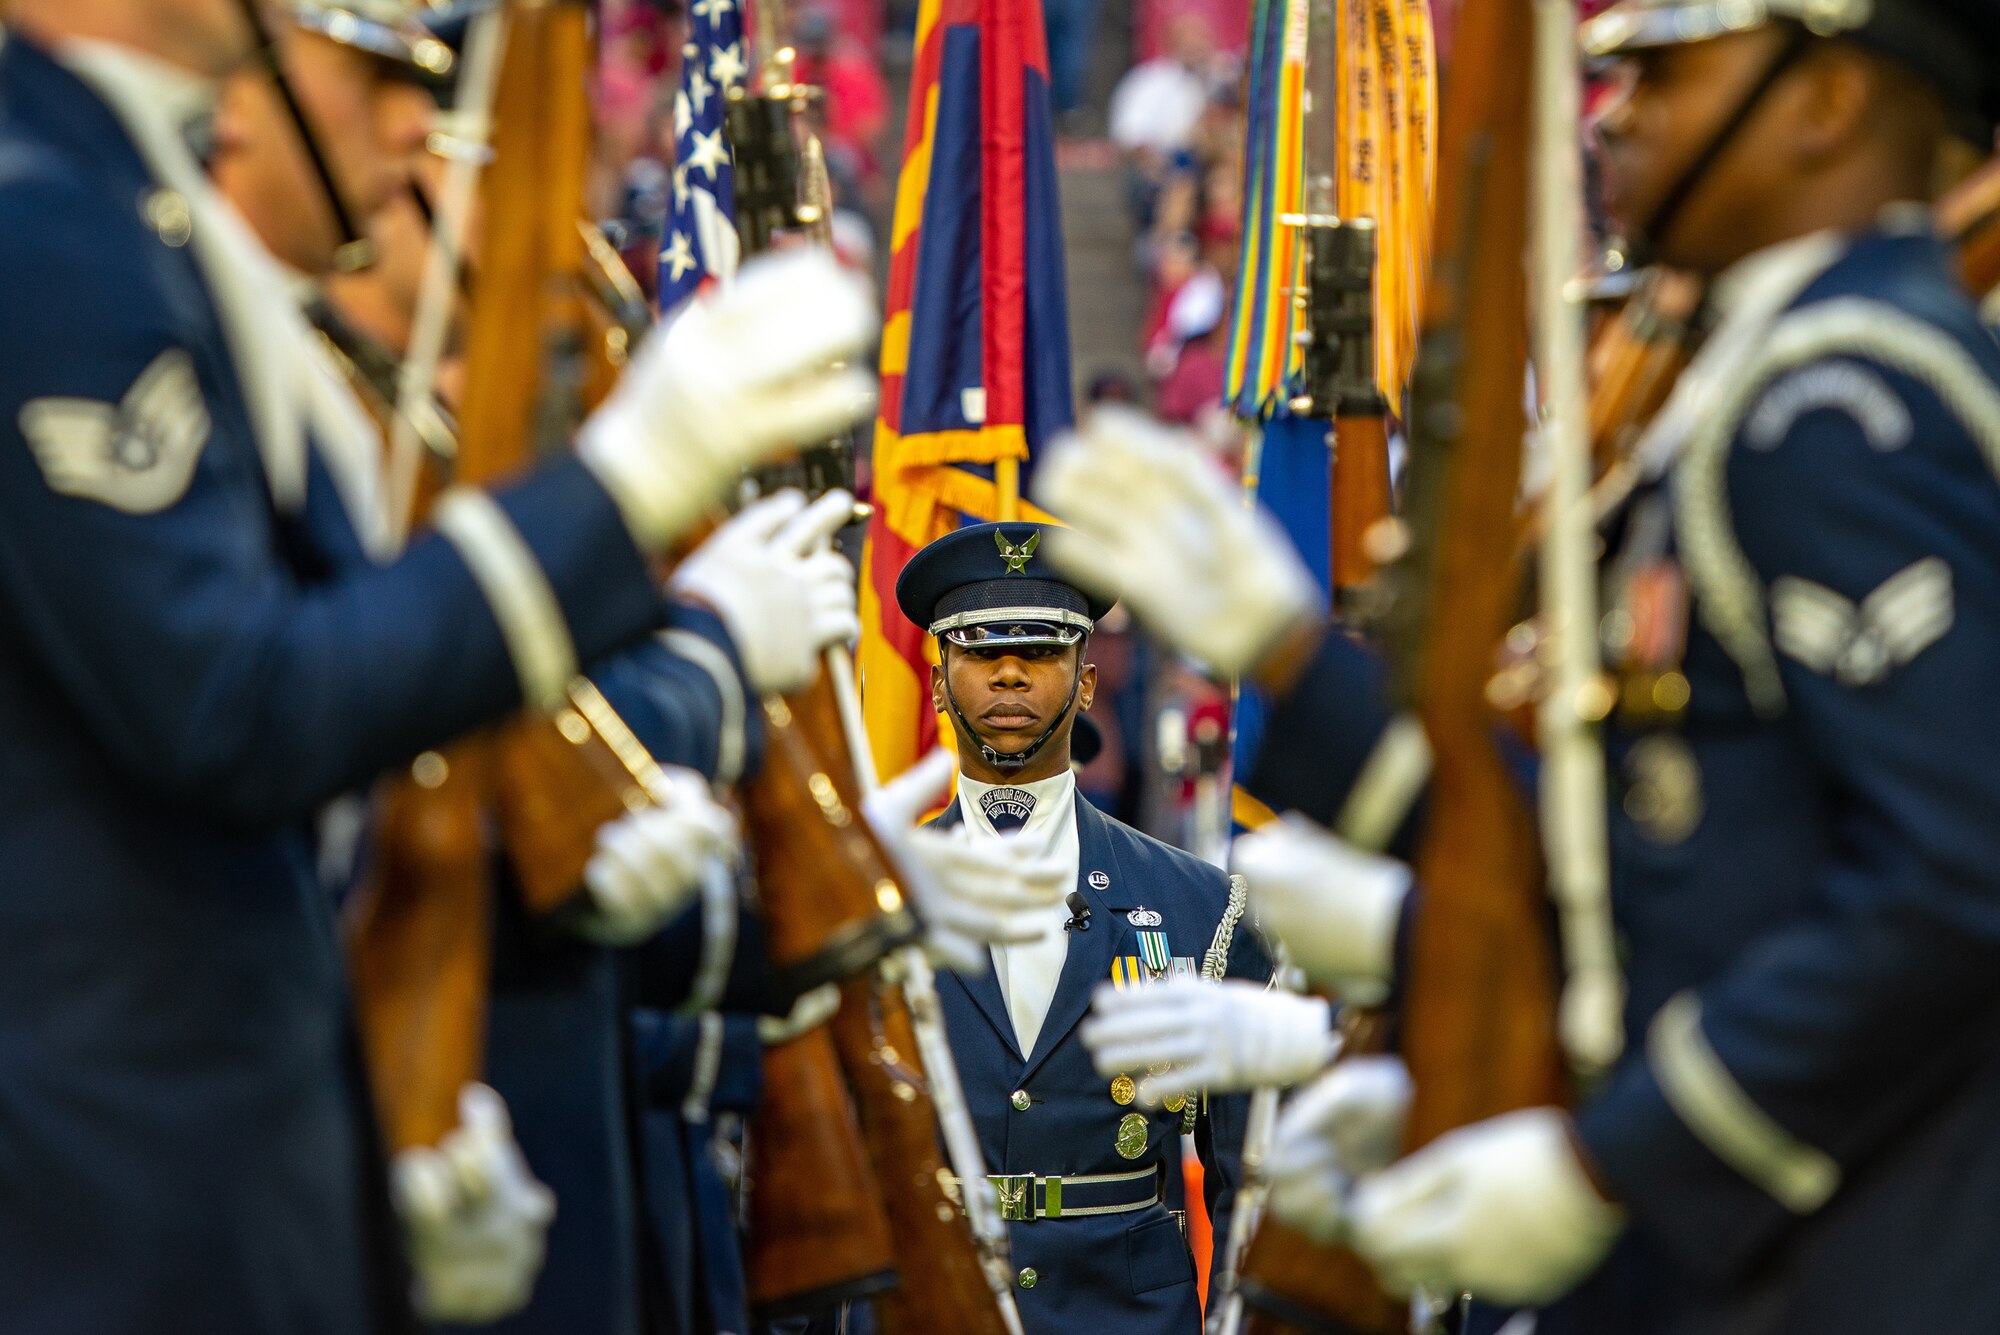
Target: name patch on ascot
(137, 455)
(1007, 805)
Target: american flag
(701, 237)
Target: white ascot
(1028, 972)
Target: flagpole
(1007, 482)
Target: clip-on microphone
(1079, 911)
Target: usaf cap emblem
(1016, 557)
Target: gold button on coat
(1020, 1100)
(1029, 1278)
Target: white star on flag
(698, 89)
(712, 10)
(683, 115)
(678, 257)
(726, 66)
(708, 154)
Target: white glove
(784, 594)
(649, 863)
(1216, 1036)
(475, 1217)
(970, 893)
(1501, 1209)
(741, 374)
(1334, 906)
(1155, 524)
(1348, 1122)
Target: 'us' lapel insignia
(1016, 557)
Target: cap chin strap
(355, 251)
(1000, 760)
(1642, 245)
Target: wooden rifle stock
(942, 1286)
(419, 934)
(419, 943)
(830, 1210)
(817, 1234)
(1478, 1029)
(557, 783)
(1479, 999)
(1342, 273)
(1969, 216)
(1636, 358)
(833, 899)
(1360, 493)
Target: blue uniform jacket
(700, 1078)
(1127, 1273)
(1806, 863)
(185, 1144)
(1804, 1127)
(582, 1039)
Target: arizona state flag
(975, 346)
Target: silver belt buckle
(1017, 1195)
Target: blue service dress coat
(700, 1079)
(1805, 854)
(1049, 1113)
(186, 675)
(567, 1046)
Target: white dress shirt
(1028, 973)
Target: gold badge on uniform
(1123, 1091)
(1173, 1103)
(1131, 1140)
(1663, 788)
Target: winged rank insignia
(1017, 557)
(136, 455)
(1858, 645)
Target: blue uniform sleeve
(668, 965)
(669, 1057)
(1867, 535)
(140, 561)
(684, 695)
(1319, 736)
